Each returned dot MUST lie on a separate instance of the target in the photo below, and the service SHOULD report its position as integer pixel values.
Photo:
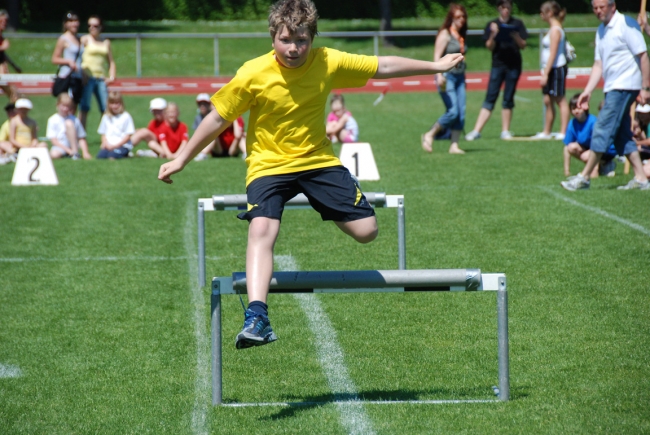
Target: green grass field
(103, 329)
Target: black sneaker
(257, 331)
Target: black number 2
(31, 174)
(355, 156)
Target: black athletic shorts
(331, 191)
(556, 84)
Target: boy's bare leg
(549, 115)
(362, 230)
(637, 166)
(262, 234)
(567, 160)
(483, 117)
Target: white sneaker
(577, 182)
(506, 135)
(472, 135)
(4, 160)
(558, 136)
(636, 184)
(542, 136)
(201, 157)
(146, 153)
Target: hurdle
(238, 202)
(368, 281)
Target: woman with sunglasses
(96, 56)
(67, 55)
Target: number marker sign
(34, 167)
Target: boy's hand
(449, 61)
(583, 101)
(168, 169)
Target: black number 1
(355, 156)
(31, 174)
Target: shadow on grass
(298, 404)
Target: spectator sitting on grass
(6, 149)
(65, 131)
(577, 141)
(22, 129)
(173, 135)
(230, 143)
(150, 134)
(116, 128)
(341, 126)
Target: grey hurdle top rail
(239, 202)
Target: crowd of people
(86, 68)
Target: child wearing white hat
(150, 134)
(23, 130)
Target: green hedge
(41, 11)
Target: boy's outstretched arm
(394, 66)
(211, 127)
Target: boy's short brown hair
(293, 14)
(573, 102)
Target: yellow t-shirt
(286, 128)
(4, 131)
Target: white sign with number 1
(34, 167)
(359, 160)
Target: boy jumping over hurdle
(288, 152)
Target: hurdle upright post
(201, 235)
(502, 337)
(401, 233)
(215, 326)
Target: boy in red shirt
(150, 134)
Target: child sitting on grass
(116, 128)
(23, 129)
(150, 134)
(65, 131)
(230, 143)
(286, 91)
(577, 141)
(341, 126)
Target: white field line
(598, 211)
(365, 402)
(353, 416)
(202, 383)
(9, 371)
(107, 258)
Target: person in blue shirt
(577, 141)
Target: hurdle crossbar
(239, 202)
(368, 281)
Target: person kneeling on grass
(577, 141)
(172, 136)
(286, 92)
(65, 131)
(230, 143)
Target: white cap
(203, 97)
(158, 104)
(641, 108)
(23, 103)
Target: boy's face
(292, 49)
(204, 107)
(579, 113)
(158, 114)
(3, 22)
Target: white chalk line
(330, 355)
(365, 402)
(202, 382)
(9, 371)
(106, 258)
(598, 211)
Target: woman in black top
(505, 37)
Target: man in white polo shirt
(621, 58)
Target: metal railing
(375, 35)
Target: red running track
(577, 79)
